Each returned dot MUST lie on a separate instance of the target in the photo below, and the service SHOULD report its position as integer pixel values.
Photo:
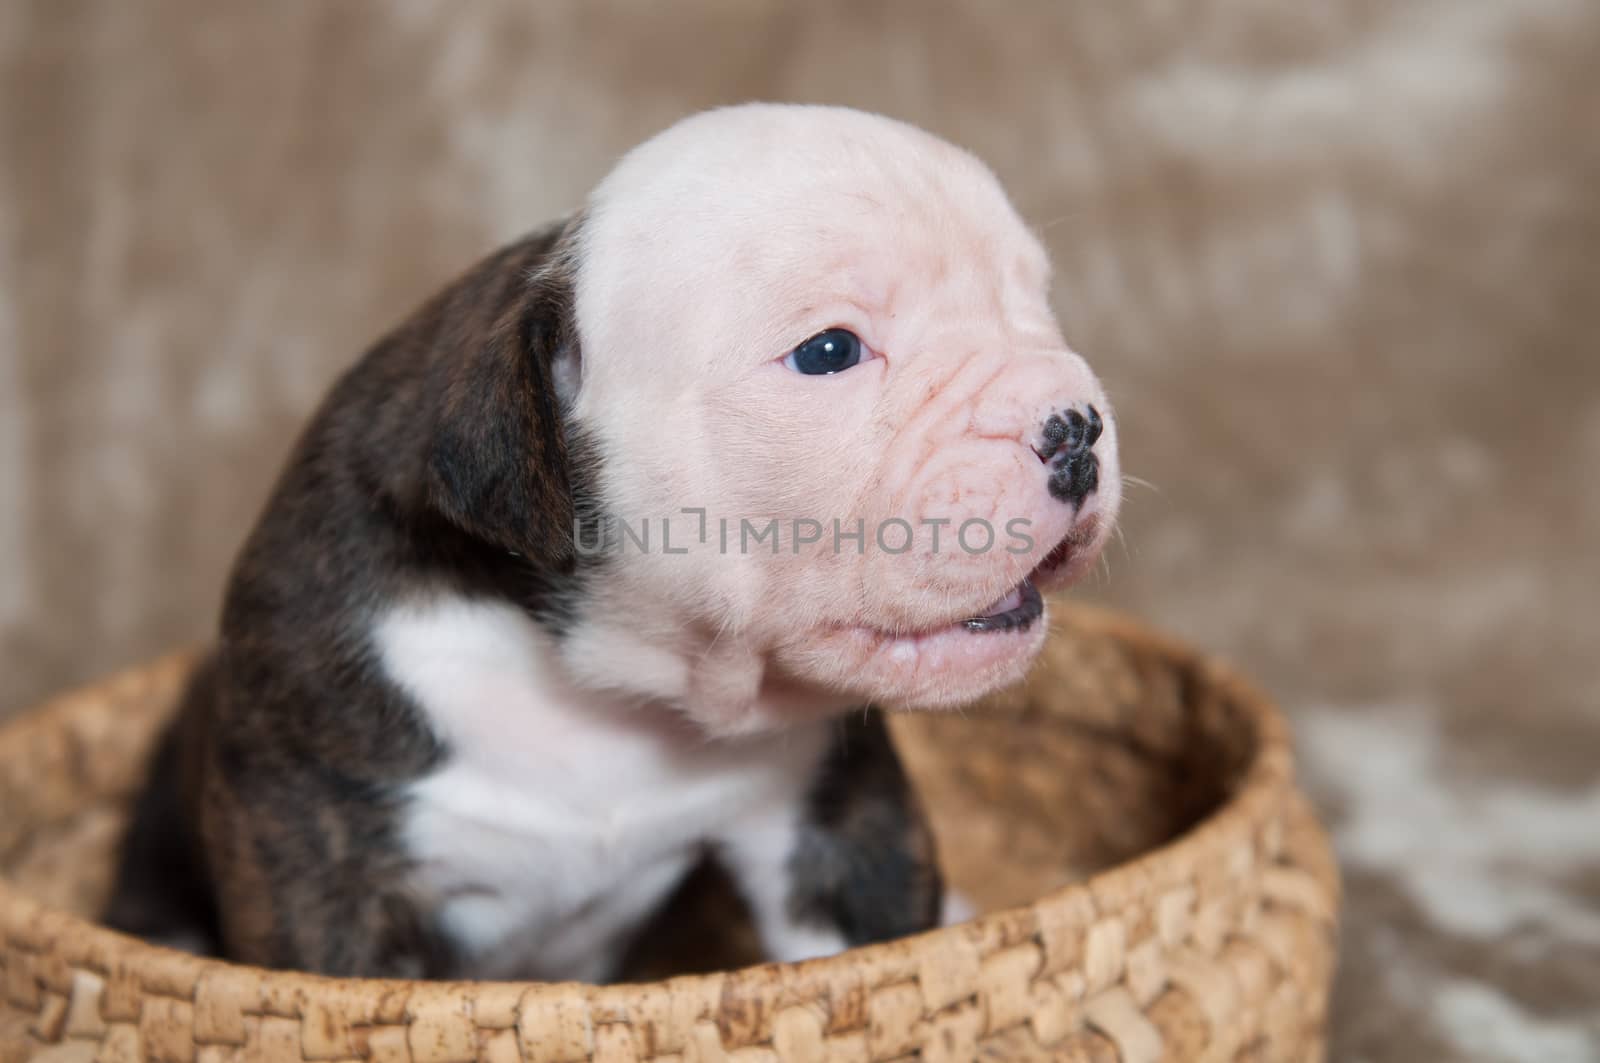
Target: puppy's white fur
(686, 704)
(562, 817)
(709, 253)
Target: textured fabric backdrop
(1338, 263)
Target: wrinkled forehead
(753, 223)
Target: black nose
(1068, 448)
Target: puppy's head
(841, 441)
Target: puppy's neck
(720, 681)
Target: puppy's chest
(558, 811)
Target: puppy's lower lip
(1015, 612)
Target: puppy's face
(837, 322)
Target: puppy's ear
(499, 464)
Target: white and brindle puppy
(443, 735)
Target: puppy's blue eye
(827, 352)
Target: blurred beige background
(1338, 263)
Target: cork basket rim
(1263, 827)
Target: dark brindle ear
(498, 465)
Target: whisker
(1069, 216)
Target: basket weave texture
(1155, 888)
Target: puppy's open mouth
(1014, 612)
(1023, 604)
(990, 647)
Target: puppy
(500, 663)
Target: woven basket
(1156, 888)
